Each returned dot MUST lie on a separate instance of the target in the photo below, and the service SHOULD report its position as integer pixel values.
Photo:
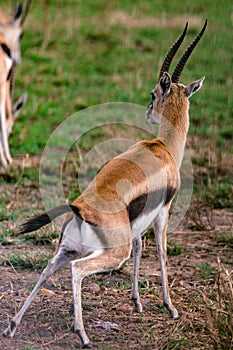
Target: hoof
(5, 334)
(172, 311)
(85, 344)
(10, 331)
(137, 305)
(138, 308)
(176, 317)
(174, 314)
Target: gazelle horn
(180, 66)
(171, 53)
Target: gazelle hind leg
(160, 228)
(137, 251)
(62, 258)
(99, 261)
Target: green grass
(34, 261)
(226, 238)
(91, 59)
(6, 238)
(85, 52)
(41, 237)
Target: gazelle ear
(194, 87)
(18, 10)
(165, 85)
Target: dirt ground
(107, 309)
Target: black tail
(43, 219)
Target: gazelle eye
(152, 95)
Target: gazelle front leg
(3, 160)
(137, 251)
(3, 135)
(160, 229)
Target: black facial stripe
(6, 49)
(10, 73)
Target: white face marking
(9, 62)
(12, 36)
(152, 116)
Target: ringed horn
(171, 53)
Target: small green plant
(173, 251)
(125, 284)
(29, 347)
(30, 288)
(179, 344)
(43, 237)
(6, 238)
(227, 238)
(207, 271)
(143, 285)
(5, 215)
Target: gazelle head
(170, 98)
(12, 29)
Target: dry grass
(219, 310)
(136, 21)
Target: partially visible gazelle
(6, 66)
(8, 112)
(11, 28)
(11, 31)
(132, 191)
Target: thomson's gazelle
(133, 190)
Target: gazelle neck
(173, 134)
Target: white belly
(143, 221)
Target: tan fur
(4, 19)
(104, 203)
(174, 121)
(176, 110)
